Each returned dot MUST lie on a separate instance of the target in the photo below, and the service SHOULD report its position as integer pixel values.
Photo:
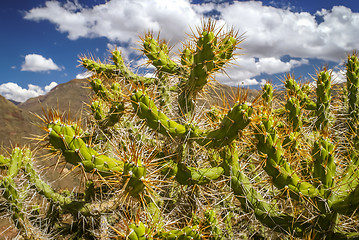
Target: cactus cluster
(156, 164)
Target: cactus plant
(157, 166)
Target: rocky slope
(16, 124)
(67, 97)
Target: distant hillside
(18, 121)
(14, 102)
(216, 92)
(15, 124)
(70, 96)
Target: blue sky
(41, 41)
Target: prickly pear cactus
(157, 164)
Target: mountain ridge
(72, 99)
(19, 122)
(70, 96)
(16, 124)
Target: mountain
(215, 93)
(67, 97)
(19, 123)
(16, 124)
(14, 102)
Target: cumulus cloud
(50, 86)
(119, 20)
(15, 92)
(37, 63)
(338, 76)
(273, 32)
(273, 65)
(84, 75)
(270, 32)
(246, 69)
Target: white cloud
(50, 86)
(37, 63)
(246, 68)
(84, 75)
(119, 20)
(270, 32)
(262, 82)
(15, 92)
(247, 82)
(273, 65)
(338, 76)
(274, 32)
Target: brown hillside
(216, 92)
(19, 122)
(67, 97)
(16, 124)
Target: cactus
(211, 53)
(157, 166)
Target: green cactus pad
(252, 200)
(200, 176)
(301, 93)
(157, 120)
(348, 205)
(66, 138)
(123, 71)
(16, 160)
(202, 66)
(323, 101)
(187, 57)
(267, 94)
(212, 225)
(99, 88)
(270, 145)
(115, 113)
(324, 164)
(157, 53)
(225, 50)
(352, 76)
(134, 177)
(98, 68)
(236, 119)
(294, 113)
(4, 162)
(11, 194)
(137, 232)
(97, 109)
